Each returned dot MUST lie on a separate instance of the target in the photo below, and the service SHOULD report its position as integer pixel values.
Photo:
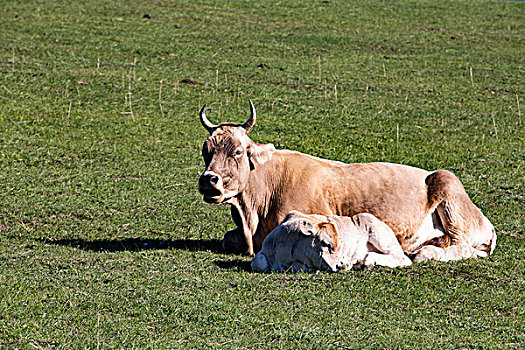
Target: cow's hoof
(234, 243)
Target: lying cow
(263, 184)
(316, 242)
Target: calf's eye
(327, 245)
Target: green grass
(104, 239)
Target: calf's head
(301, 242)
(229, 156)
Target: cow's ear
(260, 154)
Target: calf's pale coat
(308, 242)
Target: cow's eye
(238, 153)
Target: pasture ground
(106, 243)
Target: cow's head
(301, 242)
(229, 155)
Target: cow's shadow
(237, 264)
(140, 244)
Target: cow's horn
(251, 121)
(204, 121)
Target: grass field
(106, 243)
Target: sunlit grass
(104, 239)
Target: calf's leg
(453, 252)
(384, 248)
(387, 260)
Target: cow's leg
(235, 242)
(238, 241)
(384, 248)
(246, 226)
(456, 211)
(463, 223)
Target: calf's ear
(328, 233)
(329, 227)
(307, 228)
(260, 154)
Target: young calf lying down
(316, 242)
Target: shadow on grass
(239, 265)
(139, 244)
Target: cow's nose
(213, 179)
(210, 180)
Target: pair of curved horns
(246, 126)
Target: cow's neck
(259, 197)
(256, 196)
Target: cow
(430, 213)
(311, 242)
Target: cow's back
(394, 193)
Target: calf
(316, 242)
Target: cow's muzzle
(211, 187)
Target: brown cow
(429, 212)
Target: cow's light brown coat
(263, 185)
